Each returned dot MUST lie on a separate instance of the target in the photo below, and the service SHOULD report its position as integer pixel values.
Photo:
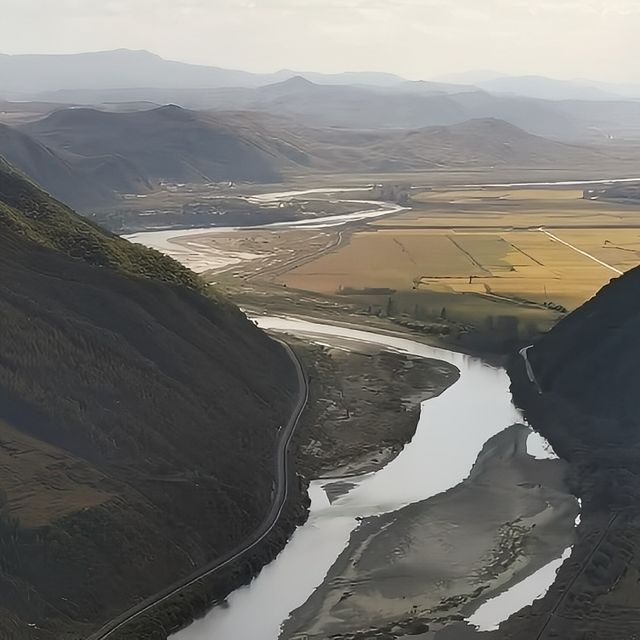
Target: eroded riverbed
(472, 507)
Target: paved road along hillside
(282, 463)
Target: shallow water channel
(451, 432)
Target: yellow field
(384, 259)
(527, 265)
(517, 208)
(496, 194)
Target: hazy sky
(416, 38)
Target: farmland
(546, 247)
(481, 266)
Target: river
(164, 240)
(451, 432)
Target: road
(282, 464)
(580, 251)
(527, 365)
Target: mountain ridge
(130, 403)
(585, 405)
(132, 152)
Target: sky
(419, 39)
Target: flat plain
(544, 246)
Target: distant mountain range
(86, 157)
(26, 76)
(123, 68)
(125, 80)
(407, 105)
(536, 86)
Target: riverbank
(364, 405)
(363, 408)
(595, 593)
(453, 428)
(437, 561)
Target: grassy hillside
(587, 369)
(131, 409)
(164, 144)
(31, 213)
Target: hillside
(485, 142)
(587, 371)
(91, 158)
(131, 409)
(569, 361)
(127, 152)
(166, 144)
(71, 179)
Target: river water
(164, 240)
(451, 432)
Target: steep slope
(137, 420)
(73, 179)
(590, 358)
(587, 371)
(166, 144)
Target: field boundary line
(580, 251)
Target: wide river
(451, 432)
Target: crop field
(515, 209)
(546, 247)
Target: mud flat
(436, 561)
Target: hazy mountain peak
(174, 112)
(296, 81)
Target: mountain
(128, 152)
(22, 75)
(569, 361)
(170, 144)
(371, 78)
(485, 142)
(546, 88)
(575, 113)
(88, 157)
(584, 402)
(626, 90)
(407, 105)
(50, 170)
(138, 416)
(122, 68)
(536, 86)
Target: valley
(480, 267)
(494, 269)
(321, 355)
